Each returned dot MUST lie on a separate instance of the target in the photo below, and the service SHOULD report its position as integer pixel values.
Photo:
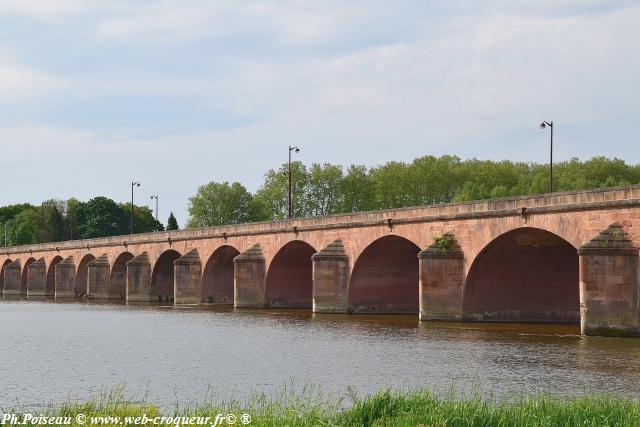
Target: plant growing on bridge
(444, 243)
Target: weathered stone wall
(98, 278)
(188, 278)
(139, 279)
(609, 284)
(250, 277)
(65, 278)
(331, 279)
(442, 280)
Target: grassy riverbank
(384, 408)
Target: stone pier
(442, 280)
(249, 278)
(609, 285)
(65, 272)
(139, 279)
(98, 277)
(188, 279)
(331, 279)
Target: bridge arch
(289, 280)
(82, 274)
(6, 262)
(485, 232)
(51, 275)
(385, 277)
(527, 274)
(217, 278)
(118, 278)
(162, 276)
(25, 276)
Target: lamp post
(297, 150)
(133, 184)
(156, 197)
(543, 125)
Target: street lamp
(156, 197)
(133, 184)
(543, 125)
(297, 150)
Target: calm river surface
(54, 352)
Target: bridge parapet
(619, 197)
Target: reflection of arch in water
(527, 274)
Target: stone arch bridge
(564, 257)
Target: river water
(55, 352)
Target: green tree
(71, 218)
(472, 191)
(143, 219)
(391, 183)
(172, 223)
(8, 216)
(357, 190)
(272, 196)
(51, 221)
(24, 228)
(101, 217)
(10, 211)
(219, 204)
(433, 179)
(324, 195)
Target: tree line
(321, 189)
(318, 189)
(58, 220)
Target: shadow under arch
(289, 281)
(524, 275)
(118, 279)
(82, 273)
(385, 277)
(51, 276)
(7, 262)
(162, 276)
(217, 277)
(24, 283)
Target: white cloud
(20, 84)
(469, 84)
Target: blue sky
(175, 94)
